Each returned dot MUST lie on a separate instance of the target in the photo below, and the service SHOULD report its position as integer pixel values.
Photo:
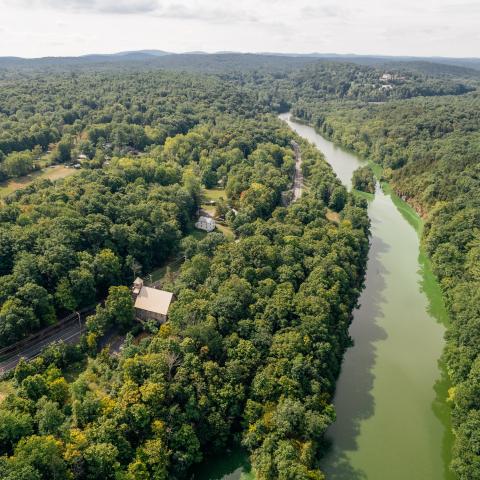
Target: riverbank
(392, 418)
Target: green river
(392, 420)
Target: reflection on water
(233, 465)
(392, 419)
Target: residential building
(151, 303)
(205, 223)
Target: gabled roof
(153, 300)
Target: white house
(151, 303)
(205, 223)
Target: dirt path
(298, 177)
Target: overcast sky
(34, 28)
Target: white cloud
(310, 12)
(212, 14)
(93, 6)
(409, 27)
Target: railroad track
(68, 330)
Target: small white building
(386, 77)
(205, 223)
(151, 303)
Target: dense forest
(429, 150)
(69, 242)
(256, 336)
(248, 312)
(54, 118)
(48, 118)
(253, 345)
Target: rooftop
(153, 300)
(208, 220)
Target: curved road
(298, 177)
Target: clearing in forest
(52, 173)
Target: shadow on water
(234, 465)
(430, 287)
(354, 402)
(407, 212)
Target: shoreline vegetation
(255, 339)
(363, 179)
(384, 215)
(441, 201)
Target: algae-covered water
(392, 419)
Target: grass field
(210, 209)
(227, 231)
(52, 173)
(158, 274)
(214, 194)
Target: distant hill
(472, 63)
(154, 53)
(221, 61)
(210, 63)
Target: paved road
(70, 334)
(298, 177)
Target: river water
(392, 420)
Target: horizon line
(152, 51)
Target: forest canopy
(255, 339)
(429, 149)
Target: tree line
(251, 351)
(55, 115)
(429, 150)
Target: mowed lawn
(158, 275)
(216, 194)
(227, 231)
(52, 173)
